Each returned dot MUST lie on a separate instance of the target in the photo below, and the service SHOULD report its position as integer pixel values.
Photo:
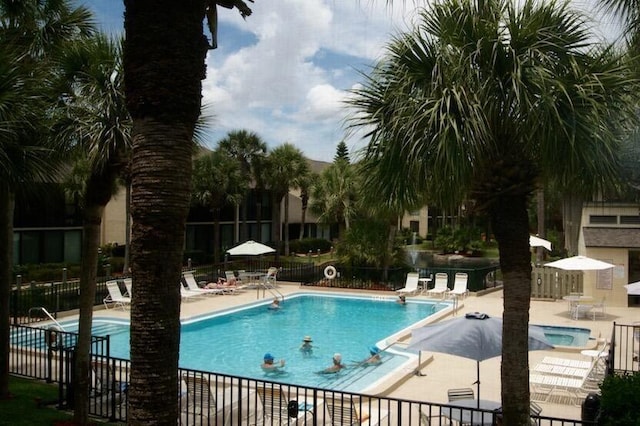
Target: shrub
(620, 400)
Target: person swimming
(269, 365)
(402, 300)
(306, 346)
(337, 365)
(275, 305)
(374, 357)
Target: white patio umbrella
(539, 242)
(633, 289)
(473, 336)
(250, 248)
(579, 263)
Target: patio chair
(192, 285)
(115, 296)
(199, 401)
(580, 310)
(410, 285)
(346, 411)
(103, 380)
(460, 285)
(270, 278)
(535, 410)
(440, 287)
(276, 407)
(599, 308)
(457, 394)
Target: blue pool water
(566, 336)
(234, 342)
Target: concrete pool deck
(437, 375)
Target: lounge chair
(103, 379)
(346, 411)
(128, 284)
(460, 393)
(599, 308)
(410, 285)
(276, 407)
(192, 285)
(115, 296)
(199, 401)
(440, 287)
(460, 285)
(270, 278)
(188, 294)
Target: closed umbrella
(539, 242)
(633, 289)
(474, 336)
(250, 248)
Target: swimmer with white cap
(337, 364)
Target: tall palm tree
(245, 147)
(30, 33)
(334, 195)
(164, 53)
(285, 167)
(481, 100)
(217, 181)
(98, 125)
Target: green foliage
(405, 236)
(310, 244)
(365, 244)
(462, 240)
(46, 272)
(24, 409)
(620, 400)
(342, 153)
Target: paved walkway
(438, 375)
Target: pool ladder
(42, 309)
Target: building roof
(612, 237)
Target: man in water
(337, 365)
(268, 363)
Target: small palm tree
(96, 124)
(483, 99)
(217, 182)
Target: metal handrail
(43, 309)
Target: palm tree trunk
(164, 53)
(286, 225)
(541, 221)
(7, 206)
(510, 220)
(127, 230)
(90, 244)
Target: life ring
(52, 338)
(330, 272)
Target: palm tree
(244, 147)
(30, 31)
(481, 100)
(305, 188)
(217, 181)
(334, 195)
(98, 125)
(285, 167)
(164, 53)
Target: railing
(624, 350)
(208, 398)
(552, 283)
(42, 309)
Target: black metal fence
(216, 399)
(624, 352)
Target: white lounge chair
(275, 405)
(460, 285)
(440, 286)
(346, 411)
(115, 296)
(192, 285)
(188, 294)
(410, 285)
(128, 284)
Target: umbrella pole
(478, 381)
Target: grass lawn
(23, 408)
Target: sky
(285, 71)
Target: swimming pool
(566, 336)
(234, 341)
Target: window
(604, 220)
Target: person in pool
(337, 365)
(402, 300)
(269, 364)
(374, 357)
(306, 346)
(275, 305)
